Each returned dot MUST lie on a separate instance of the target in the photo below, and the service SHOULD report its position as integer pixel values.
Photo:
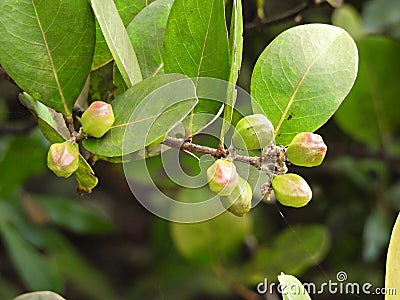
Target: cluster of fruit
(63, 158)
(252, 132)
(256, 132)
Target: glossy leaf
(127, 10)
(392, 262)
(146, 32)
(35, 271)
(302, 77)
(117, 40)
(236, 52)
(196, 45)
(144, 113)
(370, 114)
(44, 53)
(292, 288)
(44, 295)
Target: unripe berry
(239, 201)
(253, 132)
(291, 190)
(97, 119)
(222, 177)
(63, 159)
(306, 149)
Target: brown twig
(183, 145)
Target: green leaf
(292, 288)
(392, 262)
(31, 150)
(348, 18)
(146, 32)
(236, 52)
(293, 251)
(73, 215)
(44, 295)
(370, 114)
(117, 40)
(206, 242)
(49, 52)
(302, 77)
(196, 45)
(34, 269)
(85, 176)
(79, 273)
(144, 113)
(127, 10)
(376, 235)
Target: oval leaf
(48, 47)
(302, 77)
(144, 113)
(146, 32)
(370, 114)
(117, 40)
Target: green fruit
(63, 158)
(239, 201)
(306, 149)
(291, 190)
(222, 177)
(253, 132)
(97, 119)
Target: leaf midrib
(53, 67)
(278, 126)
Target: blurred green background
(105, 245)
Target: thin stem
(217, 153)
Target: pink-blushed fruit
(97, 119)
(222, 177)
(291, 190)
(63, 158)
(253, 132)
(239, 201)
(306, 149)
